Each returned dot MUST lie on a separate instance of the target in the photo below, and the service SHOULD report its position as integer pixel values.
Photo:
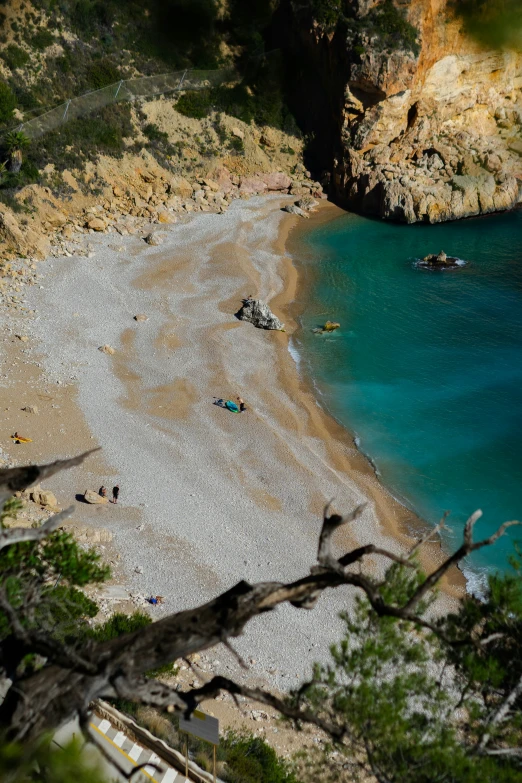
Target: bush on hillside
(251, 760)
(7, 102)
(14, 56)
(42, 39)
(101, 73)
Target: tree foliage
(494, 23)
(417, 706)
(408, 696)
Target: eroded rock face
(259, 314)
(431, 135)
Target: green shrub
(153, 133)
(393, 28)
(14, 56)
(251, 760)
(42, 39)
(237, 144)
(119, 624)
(101, 73)
(195, 104)
(84, 138)
(327, 12)
(7, 102)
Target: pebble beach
(207, 497)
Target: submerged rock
(330, 326)
(259, 314)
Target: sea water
(426, 369)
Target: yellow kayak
(19, 439)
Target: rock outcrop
(427, 131)
(259, 314)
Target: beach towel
(232, 406)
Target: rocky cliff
(423, 131)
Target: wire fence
(125, 90)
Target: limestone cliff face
(431, 136)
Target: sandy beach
(207, 497)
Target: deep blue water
(426, 369)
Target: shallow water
(426, 369)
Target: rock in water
(259, 314)
(440, 261)
(90, 496)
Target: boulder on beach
(308, 203)
(152, 239)
(107, 349)
(44, 498)
(141, 317)
(90, 496)
(259, 314)
(295, 210)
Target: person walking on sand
(103, 492)
(115, 493)
(242, 406)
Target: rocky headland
(417, 124)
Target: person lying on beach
(220, 401)
(103, 492)
(242, 406)
(115, 493)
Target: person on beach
(115, 493)
(103, 492)
(242, 406)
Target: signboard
(202, 726)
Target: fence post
(182, 79)
(66, 109)
(117, 91)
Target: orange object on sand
(19, 439)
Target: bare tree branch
(325, 556)
(17, 535)
(66, 686)
(498, 715)
(465, 549)
(17, 479)
(433, 531)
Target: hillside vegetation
(51, 51)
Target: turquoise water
(426, 369)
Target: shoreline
(396, 519)
(207, 498)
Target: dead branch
(433, 531)
(17, 479)
(498, 715)
(64, 688)
(463, 551)
(17, 535)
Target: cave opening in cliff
(413, 113)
